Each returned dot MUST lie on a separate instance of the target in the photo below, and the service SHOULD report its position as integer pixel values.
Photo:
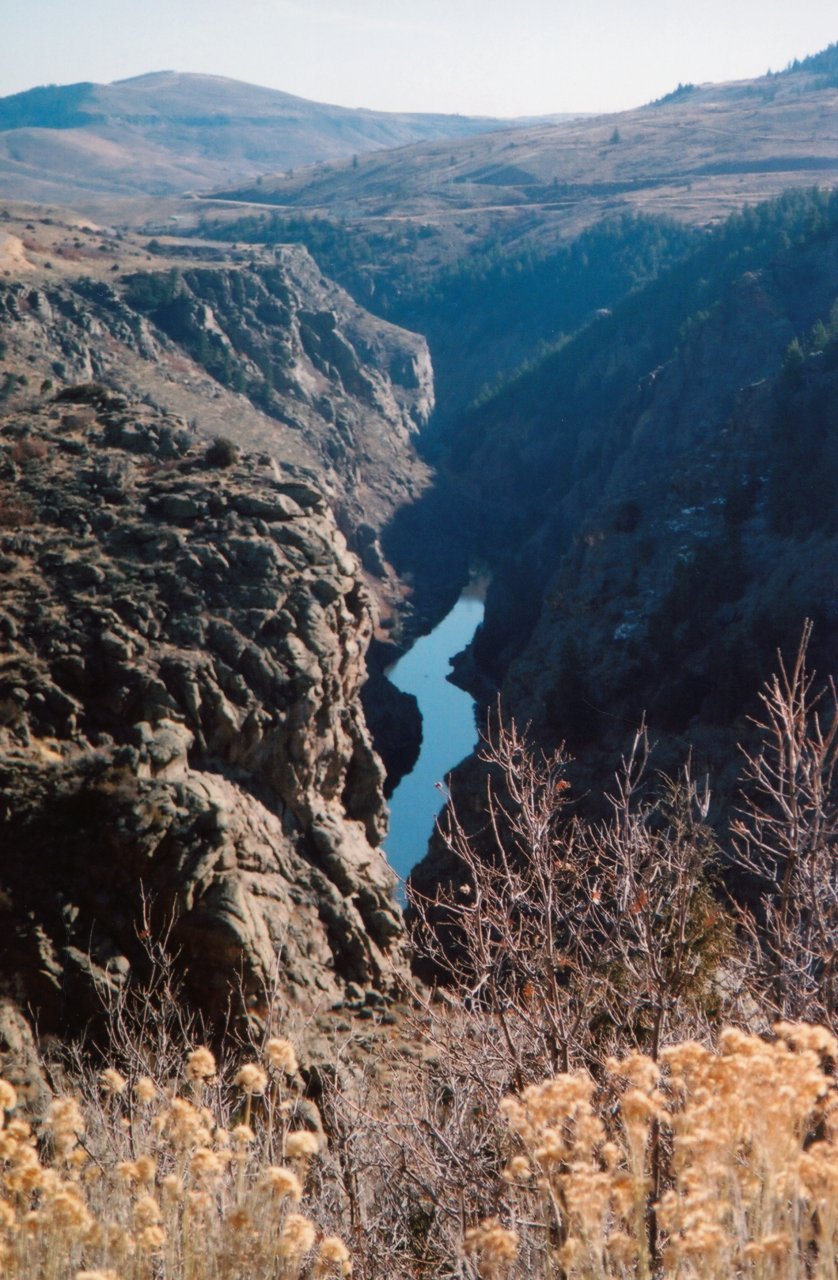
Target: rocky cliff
(262, 348)
(182, 642)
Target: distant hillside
(47, 107)
(697, 154)
(498, 246)
(169, 132)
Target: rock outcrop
(258, 346)
(182, 643)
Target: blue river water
(449, 732)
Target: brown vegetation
(598, 1089)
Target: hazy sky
(497, 57)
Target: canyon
(253, 445)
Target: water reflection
(449, 733)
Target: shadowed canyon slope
(656, 503)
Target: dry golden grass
(711, 1164)
(716, 1163)
(156, 1183)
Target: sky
(475, 57)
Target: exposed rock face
(353, 389)
(181, 651)
(269, 352)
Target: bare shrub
(573, 936)
(786, 839)
(512, 937)
(560, 943)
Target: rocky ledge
(268, 351)
(182, 643)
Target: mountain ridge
(167, 132)
(695, 155)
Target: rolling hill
(169, 132)
(697, 154)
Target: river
(449, 732)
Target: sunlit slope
(170, 132)
(697, 154)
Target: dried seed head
(206, 1164)
(298, 1236)
(333, 1258)
(200, 1064)
(146, 1167)
(637, 1068)
(144, 1090)
(495, 1246)
(251, 1078)
(32, 1221)
(282, 1183)
(171, 1188)
(68, 1210)
(110, 1081)
(240, 1219)
(518, 1170)
(18, 1131)
(65, 1120)
(65, 1115)
(151, 1239)
(242, 1135)
(280, 1054)
(803, 1035)
(184, 1125)
(199, 1204)
(146, 1212)
(301, 1145)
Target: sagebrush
(623, 1070)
